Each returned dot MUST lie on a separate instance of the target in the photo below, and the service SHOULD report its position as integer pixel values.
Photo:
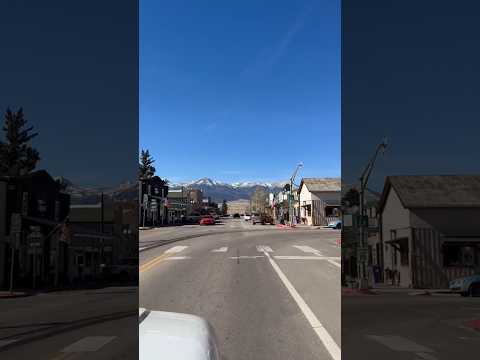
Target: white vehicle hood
(173, 336)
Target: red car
(207, 220)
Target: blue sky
(240, 90)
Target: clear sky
(240, 90)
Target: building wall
(395, 217)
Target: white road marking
(176, 249)
(177, 258)
(6, 342)
(331, 261)
(89, 343)
(263, 248)
(398, 343)
(308, 249)
(282, 257)
(141, 248)
(246, 257)
(222, 249)
(426, 356)
(322, 333)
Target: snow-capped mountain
(220, 191)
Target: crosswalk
(298, 252)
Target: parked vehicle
(207, 220)
(256, 218)
(175, 336)
(466, 286)
(247, 217)
(267, 219)
(336, 224)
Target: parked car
(236, 216)
(175, 336)
(247, 217)
(466, 286)
(207, 220)
(336, 224)
(267, 219)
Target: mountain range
(216, 190)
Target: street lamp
(290, 198)
(363, 185)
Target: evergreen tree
(146, 169)
(17, 157)
(224, 207)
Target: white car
(175, 336)
(247, 217)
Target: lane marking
(334, 262)
(326, 339)
(222, 249)
(88, 344)
(308, 249)
(399, 343)
(177, 258)
(176, 249)
(148, 265)
(246, 257)
(6, 342)
(286, 257)
(263, 248)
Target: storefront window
(460, 255)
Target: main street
(269, 293)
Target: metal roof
(434, 191)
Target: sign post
(35, 238)
(15, 230)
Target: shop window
(459, 255)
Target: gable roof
(320, 184)
(434, 191)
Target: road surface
(269, 293)
(400, 326)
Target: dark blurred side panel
(410, 180)
(68, 179)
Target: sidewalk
(5, 294)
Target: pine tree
(17, 157)
(224, 207)
(146, 169)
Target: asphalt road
(269, 293)
(398, 326)
(73, 325)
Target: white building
(319, 200)
(430, 229)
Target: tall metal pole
(362, 266)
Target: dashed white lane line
(177, 258)
(88, 344)
(175, 249)
(263, 248)
(246, 257)
(221, 249)
(327, 340)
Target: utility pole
(290, 198)
(363, 246)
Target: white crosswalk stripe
(176, 249)
(263, 248)
(221, 249)
(308, 249)
(88, 344)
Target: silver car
(466, 286)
